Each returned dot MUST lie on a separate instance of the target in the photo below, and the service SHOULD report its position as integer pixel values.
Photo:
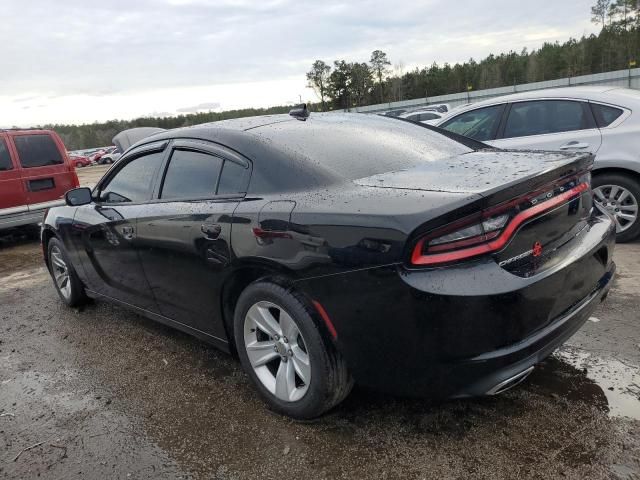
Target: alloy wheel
(620, 203)
(277, 351)
(60, 272)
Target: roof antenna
(300, 112)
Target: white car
(429, 117)
(595, 119)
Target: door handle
(127, 232)
(574, 145)
(211, 230)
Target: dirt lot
(104, 393)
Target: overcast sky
(75, 61)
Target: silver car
(429, 117)
(596, 119)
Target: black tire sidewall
(318, 395)
(627, 183)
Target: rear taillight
(491, 230)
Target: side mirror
(78, 196)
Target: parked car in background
(96, 156)
(80, 161)
(429, 117)
(111, 155)
(394, 113)
(602, 120)
(35, 173)
(343, 247)
(458, 108)
(440, 109)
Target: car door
(105, 231)
(184, 235)
(13, 197)
(550, 124)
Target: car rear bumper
(497, 371)
(475, 331)
(28, 217)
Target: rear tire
(65, 278)
(302, 376)
(603, 185)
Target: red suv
(35, 173)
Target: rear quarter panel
(336, 230)
(620, 147)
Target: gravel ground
(104, 393)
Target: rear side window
(5, 158)
(37, 150)
(132, 183)
(191, 175)
(544, 117)
(604, 114)
(480, 124)
(234, 179)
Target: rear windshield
(5, 159)
(353, 148)
(37, 150)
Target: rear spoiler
(126, 138)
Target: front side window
(545, 116)
(479, 124)
(37, 150)
(133, 182)
(5, 158)
(191, 174)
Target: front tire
(295, 367)
(65, 278)
(620, 196)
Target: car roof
(326, 148)
(601, 93)
(26, 131)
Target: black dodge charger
(334, 248)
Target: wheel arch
(244, 274)
(630, 231)
(47, 234)
(618, 170)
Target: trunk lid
(496, 175)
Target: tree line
(343, 85)
(79, 137)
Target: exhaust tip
(510, 382)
